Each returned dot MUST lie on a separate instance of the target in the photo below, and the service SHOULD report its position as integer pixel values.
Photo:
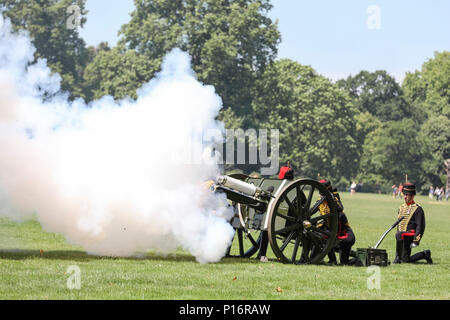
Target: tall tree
(379, 94)
(436, 136)
(430, 86)
(231, 42)
(429, 89)
(118, 72)
(391, 151)
(55, 36)
(316, 119)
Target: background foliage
(366, 128)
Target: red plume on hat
(326, 183)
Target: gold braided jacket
(410, 222)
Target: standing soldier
(410, 230)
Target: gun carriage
(284, 212)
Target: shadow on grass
(82, 256)
(24, 254)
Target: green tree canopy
(429, 89)
(391, 151)
(316, 119)
(62, 47)
(365, 123)
(436, 136)
(230, 41)
(430, 86)
(379, 94)
(118, 72)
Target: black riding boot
(332, 257)
(398, 252)
(423, 255)
(406, 257)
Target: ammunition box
(372, 257)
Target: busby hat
(326, 183)
(409, 188)
(289, 174)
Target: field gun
(244, 193)
(286, 212)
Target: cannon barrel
(243, 192)
(238, 185)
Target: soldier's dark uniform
(410, 230)
(345, 235)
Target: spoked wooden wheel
(248, 240)
(298, 232)
(248, 243)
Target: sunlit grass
(33, 265)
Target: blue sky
(337, 38)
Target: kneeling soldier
(345, 235)
(410, 230)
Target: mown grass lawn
(33, 265)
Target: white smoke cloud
(112, 177)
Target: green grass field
(33, 265)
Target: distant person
(411, 229)
(400, 190)
(353, 188)
(286, 172)
(431, 192)
(447, 193)
(437, 193)
(394, 191)
(441, 193)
